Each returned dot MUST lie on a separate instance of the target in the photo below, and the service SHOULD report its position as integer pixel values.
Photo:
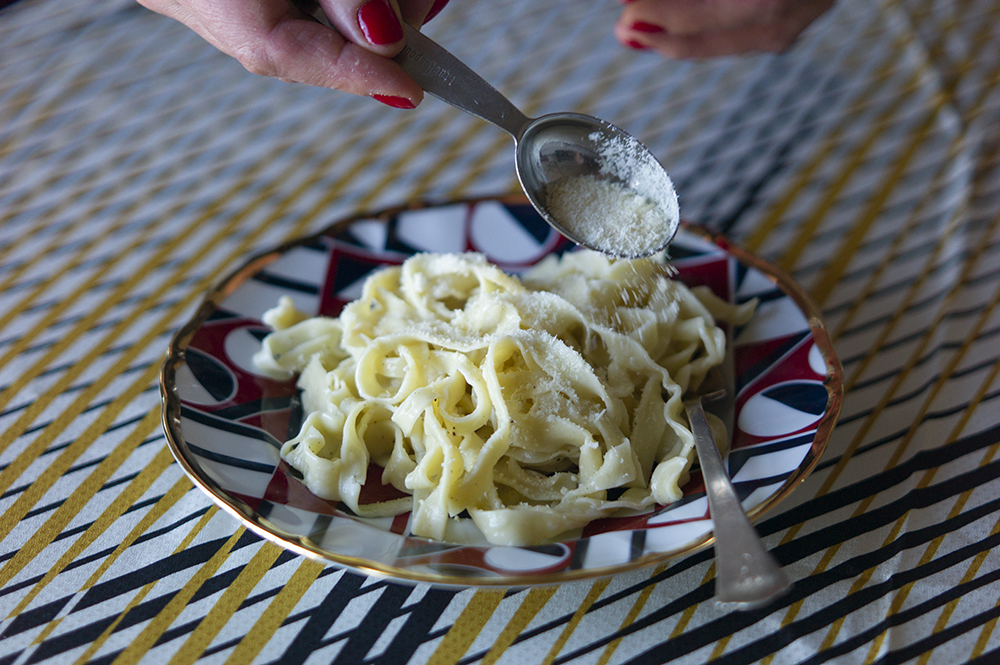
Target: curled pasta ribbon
(533, 405)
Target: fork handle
(746, 573)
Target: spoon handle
(446, 77)
(747, 576)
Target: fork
(747, 575)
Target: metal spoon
(560, 148)
(746, 574)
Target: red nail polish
(435, 9)
(631, 43)
(379, 23)
(648, 28)
(395, 102)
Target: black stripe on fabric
(924, 249)
(753, 652)
(941, 599)
(65, 444)
(734, 622)
(914, 394)
(820, 541)
(817, 507)
(79, 387)
(312, 634)
(988, 657)
(416, 631)
(103, 554)
(957, 373)
(283, 558)
(929, 355)
(55, 505)
(873, 485)
(90, 463)
(898, 434)
(103, 325)
(779, 163)
(931, 300)
(376, 621)
(144, 611)
(190, 557)
(765, 135)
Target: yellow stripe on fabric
(37, 447)
(30, 496)
(904, 442)
(840, 259)
(956, 510)
(122, 181)
(898, 380)
(159, 624)
(948, 610)
(125, 179)
(228, 603)
(55, 525)
(910, 296)
(984, 642)
(158, 258)
(595, 592)
(531, 604)
(166, 502)
(277, 611)
(17, 270)
(807, 229)
(81, 288)
(807, 173)
(57, 349)
(838, 262)
(146, 589)
(161, 507)
(633, 613)
(467, 626)
(9, 474)
(862, 580)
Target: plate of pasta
(455, 394)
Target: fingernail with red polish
(395, 102)
(379, 23)
(631, 43)
(648, 28)
(435, 9)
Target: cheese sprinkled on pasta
(533, 405)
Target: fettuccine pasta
(533, 405)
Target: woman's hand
(281, 38)
(707, 28)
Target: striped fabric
(138, 166)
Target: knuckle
(256, 59)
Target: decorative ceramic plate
(225, 422)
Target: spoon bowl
(599, 169)
(590, 180)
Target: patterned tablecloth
(138, 166)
